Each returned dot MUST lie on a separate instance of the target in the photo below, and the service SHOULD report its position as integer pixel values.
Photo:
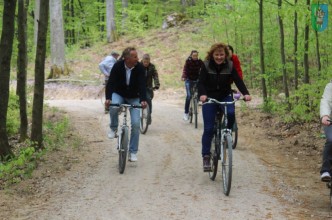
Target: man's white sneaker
(132, 157)
(325, 177)
(186, 117)
(111, 134)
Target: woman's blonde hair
(214, 47)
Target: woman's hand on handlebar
(326, 120)
(247, 98)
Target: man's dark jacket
(117, 82)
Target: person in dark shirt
(152, 78)
(190, 75)
(215, 82)
(127, 84)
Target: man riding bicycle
(325, 114)
(127, 85)
(151, 75)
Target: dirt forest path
(167, 182)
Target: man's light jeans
(134, 116)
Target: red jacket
(237, 65)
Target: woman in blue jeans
(215, 80)
(190, 75)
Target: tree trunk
(261, 47)
(296, 31)
(22, 61)
(124, 14)
(38, 96)
(319, 64)
(6, 48)
(72, 14)
(306, 47)
(101, 17)
(282, 53)
(110, 21)
(57, 40)
(36, 18)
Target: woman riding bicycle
(190, 75)
(215, 79)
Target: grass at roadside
(57, 135)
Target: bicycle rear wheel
(195, 110)
(123, 149)
(226, 163)
(145, 117)
(101, 95)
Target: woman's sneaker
(325, 177)
(206, 163)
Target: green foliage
(26, 157)
(55, 133)
(13, 114)
(20, 167)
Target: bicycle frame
(123, 143)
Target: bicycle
(123, 136)
(193, 106)
(145, 119)
(222, 146)
(146, 112)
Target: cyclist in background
(190, 74)
(127, 85)
(106, 65)
(235, 59)
(215, 82)
(152, 78)
(325, 114)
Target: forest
(283, 46)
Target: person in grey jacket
(325, 114)
(106, 65)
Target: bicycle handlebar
(211, 100)
(126, 105)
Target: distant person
(106, 65)
(325, 115)
(235, 59)
(214, 82)
(190, 75)
(127, 84)
(152, 81)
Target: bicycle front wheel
(195, 110)
(191, 111)
(226, 163)
(123, 149)
(234, 134)
(145, 117)
(215, 155)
